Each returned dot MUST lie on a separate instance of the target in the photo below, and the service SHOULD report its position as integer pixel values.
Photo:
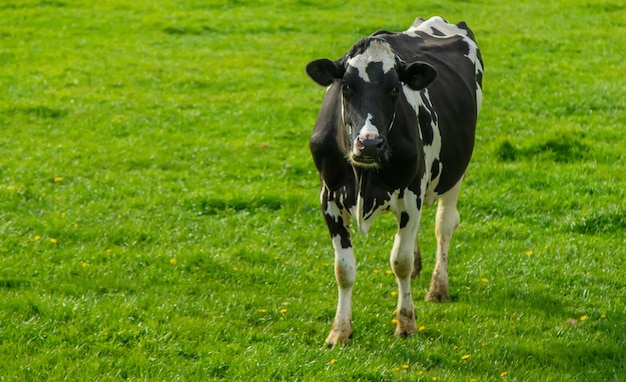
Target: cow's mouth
(364, 161)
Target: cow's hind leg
(446, 223)
(403, 262)
(337, 220)
(417, 260)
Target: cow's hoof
(405, 331)
(437, 296)
(337, 338)
(406, 323)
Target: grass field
(159, 214)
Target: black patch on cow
(434, 171)
(374, 69)
(425, 122)
(437, 32)
(429, 106)
(336, 224)
(336, 227)
(404, 219)
(382, 31)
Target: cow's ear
(417, 75)
(324, 71)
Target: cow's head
(372, 78)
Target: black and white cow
(395, 132)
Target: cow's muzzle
(367, 150)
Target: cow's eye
(396, 89)
(345, 87)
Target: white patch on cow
(363, 224)
(479, 98)
(368, 128)
(438, 24)
(431, 151)
(332, 210)
(377, 51)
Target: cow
(395, 132)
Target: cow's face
(372, 79)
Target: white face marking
(378, 51)
(368, 129)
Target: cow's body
(395, 132)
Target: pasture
(159, 214)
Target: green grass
(159, 213)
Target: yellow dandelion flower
(173, 261)
(485, 280)
(455, 347)
(465, 357)
(503, 374)
(53, 240)
(395, 369)
(405, 366)
(583, 317)
(603, 316)
(37, 238)
(528, 253)
(58, 179)
(376, 271)
(388, 272)
(333, 361)
(421, 328)
(276, 257)
(262, 310)
(394, 292)
(434, 378)
(394, 321)
(286, 263)
(235, 269)
(85, 265)
(283, 311)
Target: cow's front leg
(338, 221)
(402, 263)
(446, 223)
(345, 273)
